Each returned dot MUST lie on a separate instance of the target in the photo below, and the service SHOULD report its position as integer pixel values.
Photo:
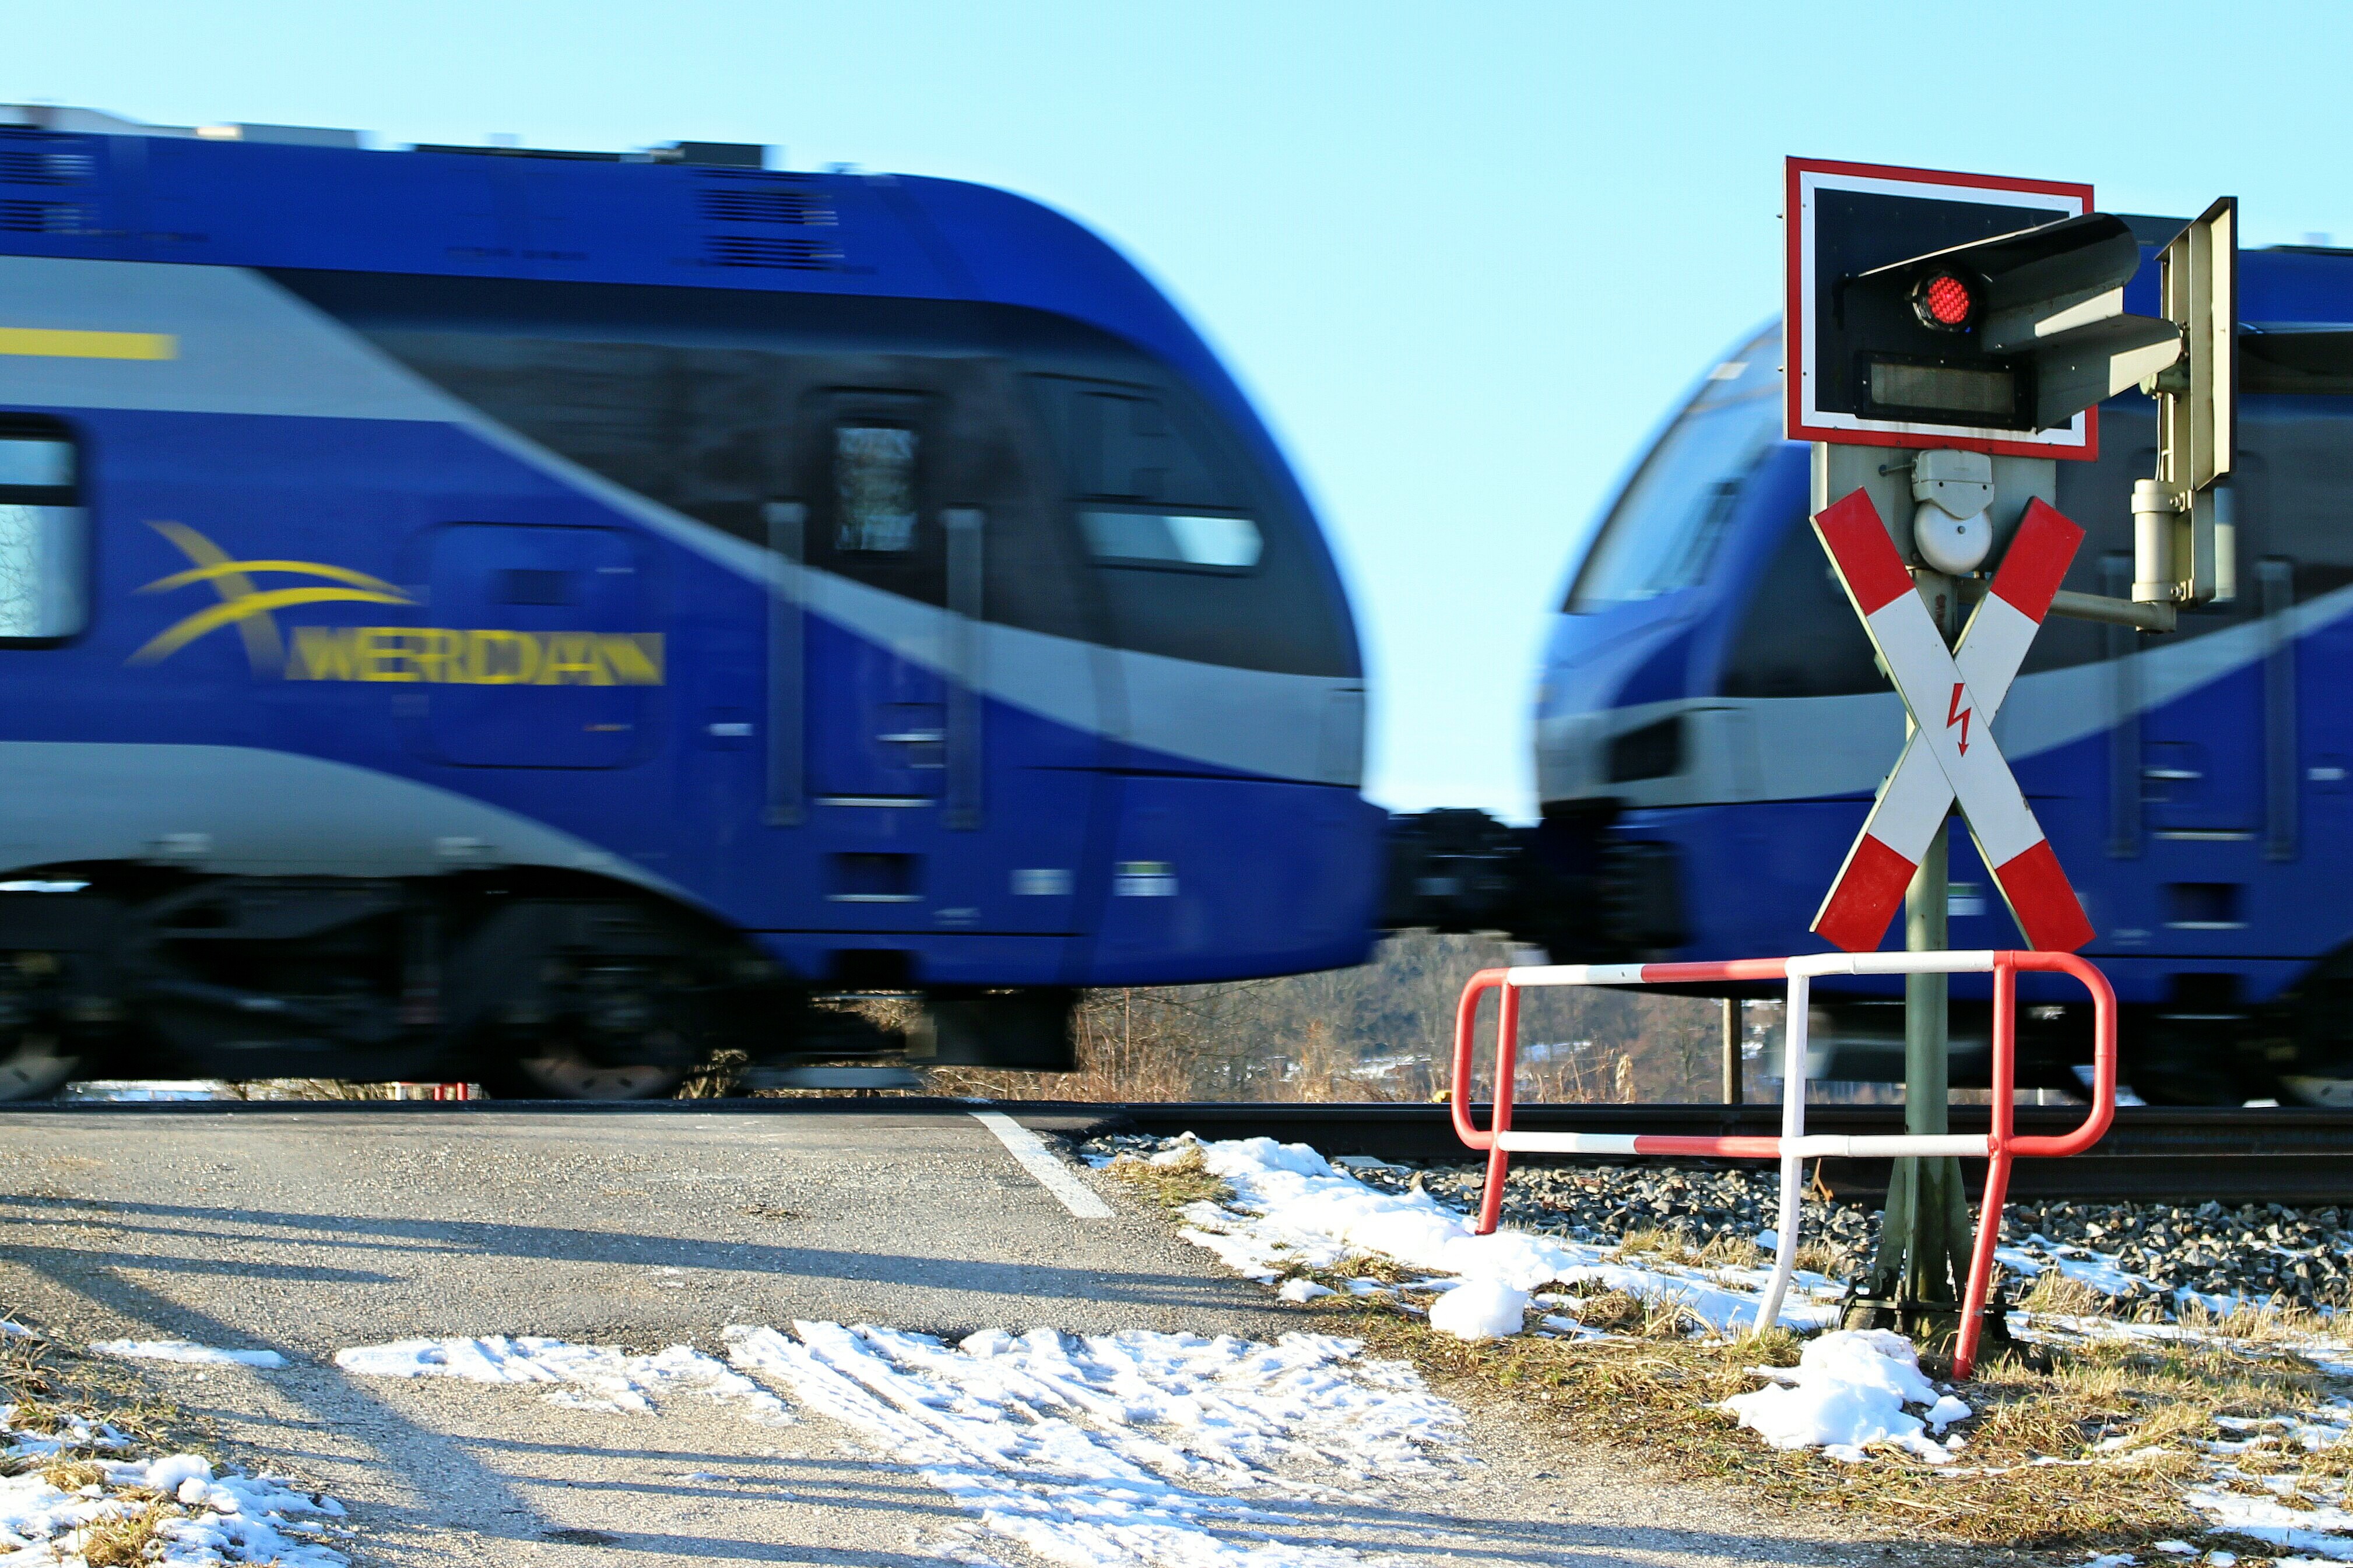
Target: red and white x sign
(1953, 697)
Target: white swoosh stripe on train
(1802, 748)
(262, 812)
(247, 346)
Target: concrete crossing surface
(312, 1232)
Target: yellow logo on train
(472, 656)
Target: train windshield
(1666, 529)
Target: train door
(544, 652)
(2202, 761)
(928, 521)
(877, 704)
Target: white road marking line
(1039, 1161)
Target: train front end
(1690, 600)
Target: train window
(1664, 533)
(715, 403)
(1124, 446)
(1172, 542)
(1798, 637)
(1197, 561)
(2293, 477)
(875, 488)
(43, 593)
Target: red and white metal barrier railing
(1999, 1145)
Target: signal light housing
(2017, 332)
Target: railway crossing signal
(1955, 334)
(1951, 753)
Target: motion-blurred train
(1711, 727)
(543, 615)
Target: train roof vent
(281, 135)
(38, 158)
(43, 217)
(793, 255)
(714, 155)
(749, 203)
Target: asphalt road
(309, 1232)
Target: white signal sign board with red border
(1842, 219)
(1953, 695)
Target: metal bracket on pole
(2112, 611)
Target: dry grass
(1653, 1246)
(716, 1078)
(72, 1474)
(1824, 1258)
(309, 1088)
(2059, 1296)
(1652, 1395)
(121, 1542)
(1184, 1180)
(52, 1390)
(50, 1385)
(1624, 1313)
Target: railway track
(2287, 1154)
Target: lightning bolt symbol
(1956, 714)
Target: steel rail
(2288, 1154)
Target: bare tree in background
(1382, 1031)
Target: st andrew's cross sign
(1953, 697)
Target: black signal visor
(1933, 393)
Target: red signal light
(1944, 300)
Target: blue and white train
(544, 615)
(1711, 727)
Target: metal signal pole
(1924, 1236)
(1916, 1278)
(1733, 1093)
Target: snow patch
(183, 1350)
(1128, 1448)
(228, 1518)
(143, 1091)
(2326, 1530)
(586, 1377)
(1849, 1389)
(1294, 1210)
(1480, 1309)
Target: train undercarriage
(541, 984)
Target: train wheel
(2183, 1066)
(620, 1035)
(35, 1066)
(561, 1069)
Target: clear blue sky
(1464, 256)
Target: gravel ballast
(2250, 1252)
